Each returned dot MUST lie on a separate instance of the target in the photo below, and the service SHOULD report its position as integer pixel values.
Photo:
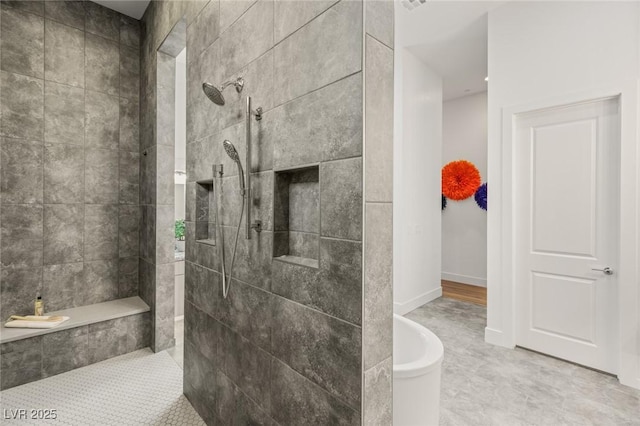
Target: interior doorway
(180, 175)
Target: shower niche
(205, 213)
(297, 216)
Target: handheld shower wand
(233, 154)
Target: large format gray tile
(341, 199)
(165, 180)
(326, 50)
(129, 180)
(231, 10)
(64, 110)
(20, 361)
(129, 31)
(65, 350)
(66, 12)
(148, 233)
(101, 176)
(200, 382)
(101, 281)
(62, 286)
(36, 6)
(63, 233)
(148, 176)
(128, 278)
(379, 122)
(253, 257)
(102, 21)
(292, 15)
(100, 232)
(165, 301)
(247, 310)
(332, 131)
(128, 231)
(102, 118)
(378, 394)
(258, 84)
(129, 72)
(203, 332)
(247, 38)
(64, 49)
(21, 221)
(202, 114)
(378, 284)
(204, 29)
(192, 9)
(21, 253)
(22, 42)
(146, 282)
(102, 67)
(296, 400)
(129, 125)
(21, 173)
(107, 339)
(323, 349)
(22, 106)
(63, 174)
(378, 20)
(22, 236)
(165, 234)
(247, 366)
(335, 288)
(18, 290)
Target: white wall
(416, 205)
(544, 51)
(464, 224)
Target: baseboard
(464, 279)
(496, 337)
(403, 308)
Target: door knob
(606, 270)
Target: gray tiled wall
(287, 346)
(377, 337)
(36, 358)
(69, 142)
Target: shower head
(215, 93)
(233, 154)
(231, 151)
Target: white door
(567, 209)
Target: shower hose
(227, 284)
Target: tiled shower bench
(92, 334)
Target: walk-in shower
(214, 93)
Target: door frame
(501, 304)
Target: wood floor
(464, 292)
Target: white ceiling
(460, 60)
(451, 38)
(133, 8)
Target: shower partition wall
(293, 342)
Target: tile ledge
(80, 316)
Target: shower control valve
(257, 226)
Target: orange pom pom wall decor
(460, 180)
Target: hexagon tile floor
(139, 388)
